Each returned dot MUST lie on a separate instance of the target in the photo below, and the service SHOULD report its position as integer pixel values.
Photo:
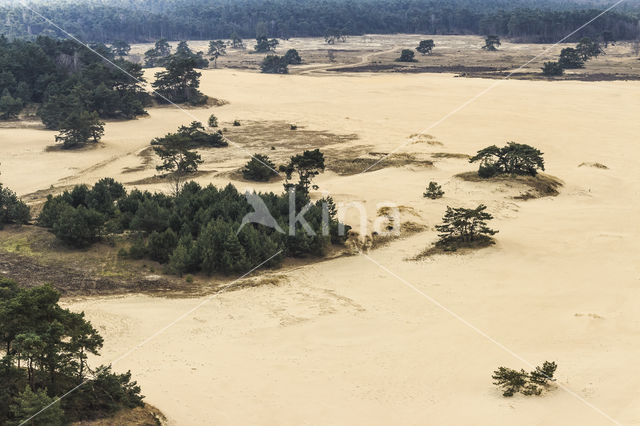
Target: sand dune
(347, 342)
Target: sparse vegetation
(213, 121)
(434, 191)
(534, 383)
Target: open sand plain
(375, 338)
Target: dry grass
(451, 155)
(541, 185)
(352, 166)
(594, 165)
(455, 248)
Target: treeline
(69, 82)
(200, 19)
(43, 355)
(199, 229)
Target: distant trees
(236, 41)
(433, 191)
(260, 168)
(10, 107)
(264, 45)
(512, 381)
(292, 57)
(588, 48)
(462, 227)
(274, 64)
(179, 82)
(425, 47)
(213, 121)
(407, 55)
(306, 166)
(217, 48)
(80, 128)
(552, 68)
(513, 158)
(570, 58)
(491, 43)
(121, 48)
(184, 52)
(157, 55)
(201, 19)
(608, 38)
(45, 349)
(333, 35)
(12, 209)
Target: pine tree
(29, 403)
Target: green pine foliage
(12, 209)
(462, 227)
(45, 350)
(65, 78)
(199, 229)
(534, 383)
(434, 191)
(274, 64)
(260, 169)
(179, 82)
(292, 57)
(407, 55)
(513, 158)
(552, 69)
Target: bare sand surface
(346, 341)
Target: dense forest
(149, 20)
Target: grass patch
(594, 165)
(455, 247)
(541, 185)
(451, 155)
(353, 166)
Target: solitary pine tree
(425, 46)
(491, 43)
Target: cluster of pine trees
(136, 20)
(196, 230)
(74, 87)
(43, 354)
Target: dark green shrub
(552, 69)
(236, 123)
(292, 57)
(274, 64)
(78, 227)
(213, 121)
(161, 245)
(407, 55)
(260, 168)
(12, 209)
(434, 191)
(511, 381)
